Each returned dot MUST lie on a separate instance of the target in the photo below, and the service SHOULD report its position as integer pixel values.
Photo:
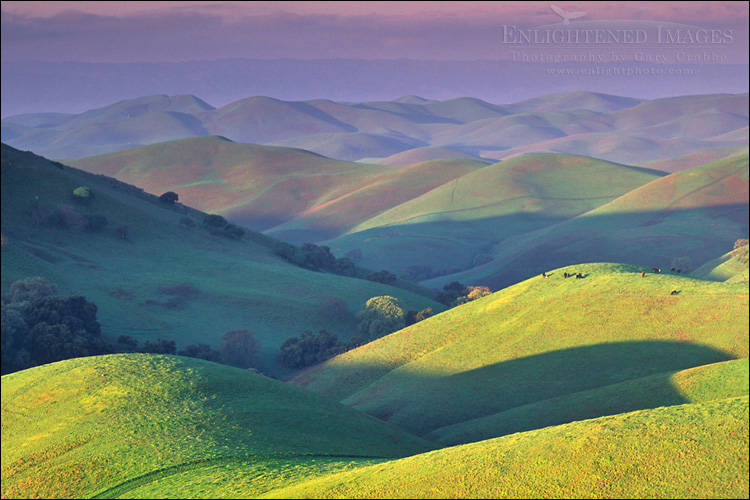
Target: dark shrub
(170, 197)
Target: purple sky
(182, 31)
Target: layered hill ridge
(613, 128)
(643, 394)
(454, 215)
(683, 451)
(698, 212)
(155, 270)
(263, 187)
(457, 223)
(540, 339)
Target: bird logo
(567, 16)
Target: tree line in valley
(40, 327)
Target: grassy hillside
(452, 224)
(264, 186)
(576, 100)
(697, 213)
(686, 451)
(540, 339)
(417, 155)
(725, 268)
(84, 426)
(680, 163)
(166, 278)
(705, 383)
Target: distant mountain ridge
(69, 86)
(604, 126)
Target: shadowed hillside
(540, 339)
(454, 226)
(696, 450)
(263, 187)
(157, 270)
(697, 213)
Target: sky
(72, 56)
(185, 31)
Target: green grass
(701, 384)
(687, 451)
(699, 212)
(311, 196)
(724, 268)
(536, 340)
(239, 284)
(653, 388)
(450, 224)
(80, 427)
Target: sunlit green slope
(686, 451)
(85, 426)
(170, 277)
(540, 339)
(725, 268)
(697, 213)
(454, 223)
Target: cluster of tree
(383, 276)
(455, 294)
(238, 348)
(741, 250)
(216, 224)
(380, 316)
(308, 349)
(413, 316)
(315, 258)
(170, 198)
(39, 327)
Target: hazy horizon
(74, 56)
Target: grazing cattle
(674, 292)
(672, 269)
(579, 276)
(544, 275)
(655, 270)
(565, 275)
(679, 271)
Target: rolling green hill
(603, 387)
(540, 339)
(454, 223)
(105, 424)
(698, 213)
(728, 267)
(262, 187)
(154, 271)
(686, 451)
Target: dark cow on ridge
(579, 276)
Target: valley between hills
(397, 299)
